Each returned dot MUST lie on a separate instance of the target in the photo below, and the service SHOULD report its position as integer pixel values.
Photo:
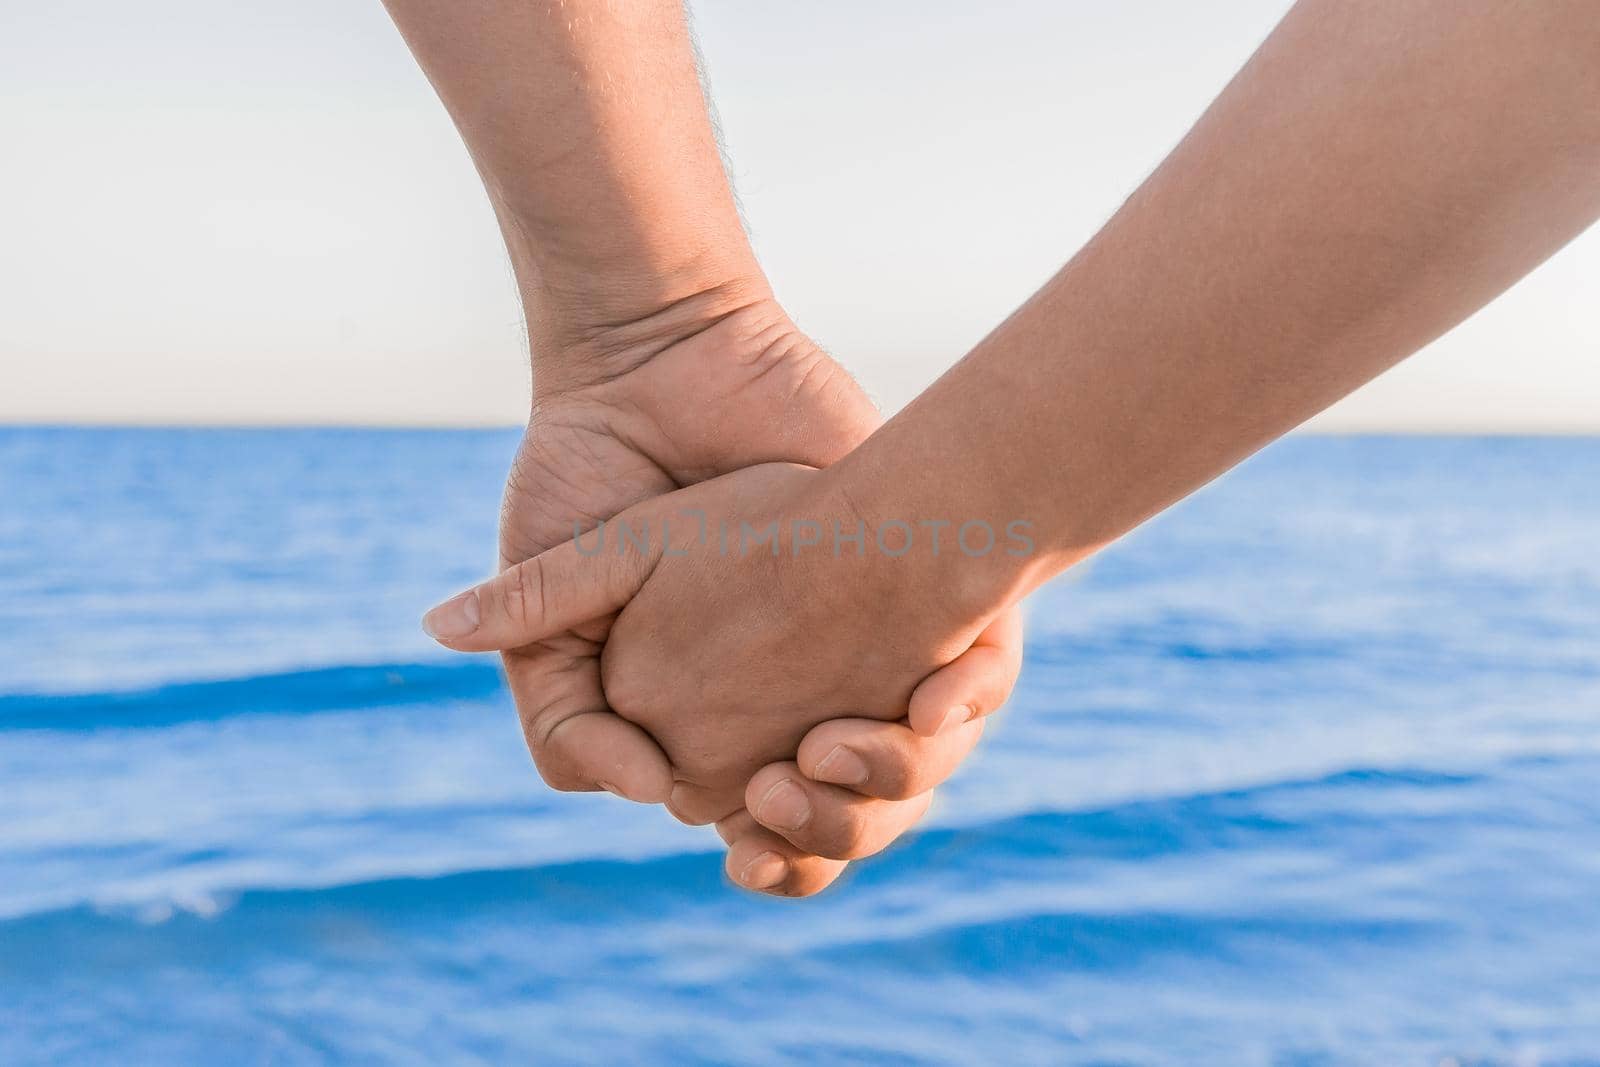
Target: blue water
(1305, 772)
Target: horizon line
(488, 425)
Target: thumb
(973, 684)
(549, 594)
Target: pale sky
(257, 212)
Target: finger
(699, 806)
(761, 861)
(576, 741)
(828, 820)
(538, 598)
(973, 684)
(884, 759)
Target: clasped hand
(669, 656)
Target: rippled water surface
(1305, 772)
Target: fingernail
(456, 617)
(842, 767)
(953, 718)
(764, 872)
(784, 806)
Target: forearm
(1375, 174)
(587, 123)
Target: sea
(1304, 772)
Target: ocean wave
(1122, 939)
(571, 910)
(1234, 820)
(289, 693)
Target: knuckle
(544, 724)
(541, 731)
(846, 838)
(517, 590)
(897, 775)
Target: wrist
(590, 319)
(573, 347)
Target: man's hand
(659, 357)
